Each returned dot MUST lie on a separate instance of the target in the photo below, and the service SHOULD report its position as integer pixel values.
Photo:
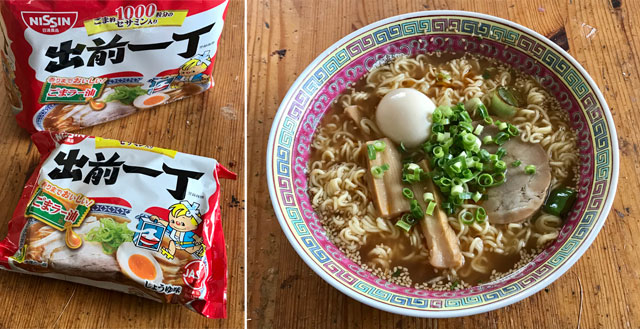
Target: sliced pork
(522, 195)
(387, 190)
(444, 247)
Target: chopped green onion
(502, 138)
(513, 130)
(456, 167)
(444, 181)
(458, 107)
(462, 169)
(498, 178)
(371, 151)
(469, 141)
(456, 200)
(446, 110)
(530, 169)
(464, 115)
(407, 193)
(438, 152)
(441, 137)
(443, 76)
(516, 163)
(406, 222)
(110, 234)
(402, 148)
(457, 189)
(447, 144)
(378, 171)
(427, 147)
(466, 217)
(412, 173)
(379, 146)
(470, 162)
(437, 116)
(484, 155)
(448, 207)
(466, 126)
(456, 181)
(430, 207)
(416, 210)
(484, 113)
(485, 180)
(481, 215)
(428, 196)
(465, 195)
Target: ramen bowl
(348, 60)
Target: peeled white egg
(404, 115)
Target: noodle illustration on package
(123, 216)
(68, 68)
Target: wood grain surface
(209, 124)
(600, 291)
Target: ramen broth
(338, 148)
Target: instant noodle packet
(74, 64)
(123, 216)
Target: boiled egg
(404, 116)
(138, 264)
(147, 101)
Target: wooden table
(600, 291)
(210, 124)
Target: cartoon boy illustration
(184, 218)
(193, 70)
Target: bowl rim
(524, 293)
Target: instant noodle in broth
(74, 64)
(338, 172)
(123, 216)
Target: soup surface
(344, 190)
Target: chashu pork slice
(442, 242)
(88, 261)
(387, 190)
(522, 195)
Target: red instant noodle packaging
(74, 64)
(133, 218)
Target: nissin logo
(49, 22)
